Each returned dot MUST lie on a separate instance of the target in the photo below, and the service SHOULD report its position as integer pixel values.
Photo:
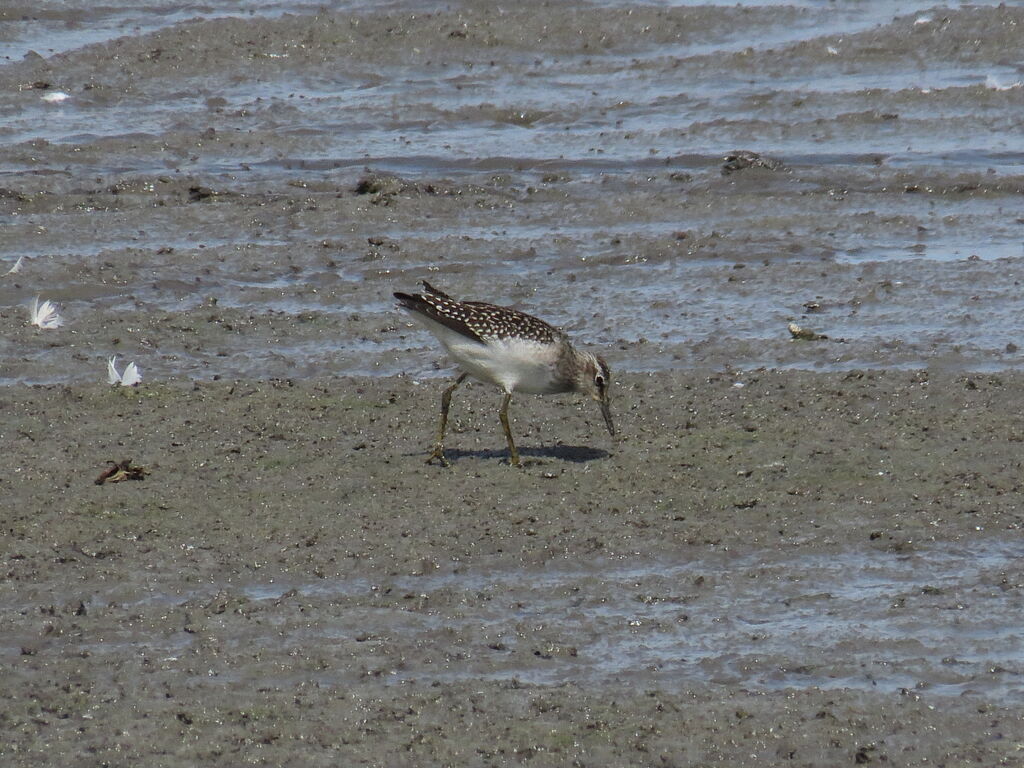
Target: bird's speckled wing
(478, 320)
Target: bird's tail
(411, 302)
(431, 289)
(417, 302)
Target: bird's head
(594, 379)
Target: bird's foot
(438, 453)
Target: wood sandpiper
(503, 346)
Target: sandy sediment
(769, 567)
(291, 582)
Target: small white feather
(131, 376)
(17, 266)
(113, 377)
(45, 314)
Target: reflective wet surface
(800, 550)
(941, 621)
(576, 170)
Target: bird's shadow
(578, 454)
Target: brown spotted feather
(479, 320)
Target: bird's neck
(568, 368)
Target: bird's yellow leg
(503, 415)
(446, 401)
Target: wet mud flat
(769, 567)
(239, 196)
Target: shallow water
(940, 621)
(936, 621)
(569, 165)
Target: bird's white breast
(515, 365)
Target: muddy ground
(801, 553)
(249, 600)
(238, 197)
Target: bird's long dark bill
(606, 411)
